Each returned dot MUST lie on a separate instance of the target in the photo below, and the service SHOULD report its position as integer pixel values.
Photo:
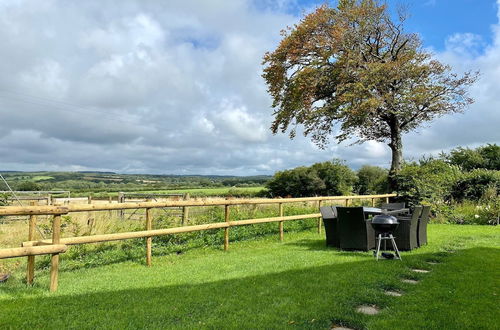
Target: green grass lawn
(266, 284)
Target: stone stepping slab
(423, 271)
(393, 293)
(368, 309)
(410, 281)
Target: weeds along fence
(57, 244)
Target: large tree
(353, 72)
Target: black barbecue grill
(384, 225)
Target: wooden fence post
(30, 275)
(90, 219)
(54, 261)
(149, 240)
(346, 202)
(373, 202)
(110, 213)
(319, 219)
(281, 222)
(185, 211)
(226, 230)
(121, 199)
(387, 199)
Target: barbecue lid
(384, 219)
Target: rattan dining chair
(330, 220)
(354, 231)
(406, 233)
(422, 225)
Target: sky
(175, 87)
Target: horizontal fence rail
(168, 231)
(57, 245)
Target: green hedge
(475, 184)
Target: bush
(321, 179)
(486, 157)
(371, 180)
(474, 184)
(298, 182)
(28, 186)
(431, 181)
(468, 212)
(338, 178)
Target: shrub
(431, 180)
(28, 186)
(491, 155)
(338, 178)
(474, 184)
(487, 157)
(468, 212)
(4, 199)
(328, 178)
(371, 180)
(298, 182)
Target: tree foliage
(28, 186)
(487, 157)
(353, 71)
(371, 180)
(321, 179)
(475, 184)
(430, 180)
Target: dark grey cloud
(175, 87)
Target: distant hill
(95, 181)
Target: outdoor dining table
(376, 210)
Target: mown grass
(263, 283)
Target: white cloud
(175, 87)
(478, 124)
(238, 121)
(46, 77)
(465, 44)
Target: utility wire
(15, 196)
(10, 189)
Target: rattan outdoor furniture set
(350, 228)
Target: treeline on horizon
(461, 174)
(94, 181)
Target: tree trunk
(396, 146)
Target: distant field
(208, 191)
(41, 178)
(195, 192)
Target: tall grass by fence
(57, 245)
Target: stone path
(410, 281)
(368, 309)
(374, 310)
(393, 293)
(423, 271)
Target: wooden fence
(57, 245)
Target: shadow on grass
(312, 297)
(312, 244)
